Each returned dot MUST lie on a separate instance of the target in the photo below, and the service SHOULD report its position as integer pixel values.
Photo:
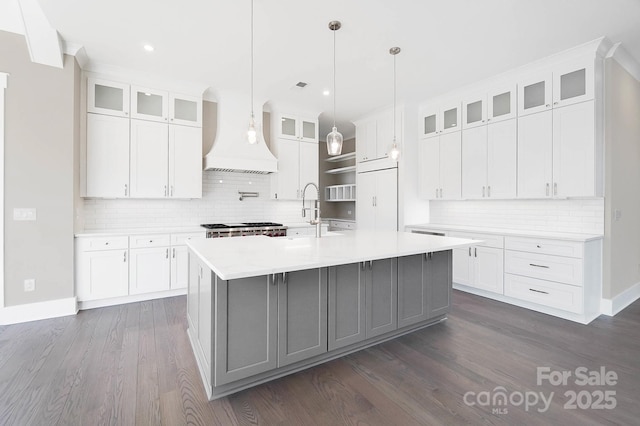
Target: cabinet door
(107, 97)
(573, 82)
(308, 168)
(185, 162)
(149, 104)
(205, 322)
(302, 315)
(107, 156)
(103, 274)
(450, 166)
(439, 283)
(380, 297)
(488, 269)
(574, 150)
(474, 111)
(371, 142)
(286, 180)
(462, 266)
(246, 328)
(384, 134)
(179, 267)
(308, 130)
(366, 212)
(149, 270)
(347, 315)
(449, 117)
(386, 200)
(429, 124)
(474, 163)
(193, 292)
(288, 128)
(535, 149)
(149, 159)
(534, 94)
(502, 146)
(501, 103)
(429, 167)
(412, 290)
(185, 110)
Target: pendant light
(394, 152)
(334, 139)
(252, 134)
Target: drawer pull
(538, 266)
(538, 245)
(538, 291)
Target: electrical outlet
(30, 284)
(24, 214)
(617, 214)
(349, 212)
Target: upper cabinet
(185, 110)
(441, 118)
(497, 104)
(534, 93)
(107, 97)
(374, 137)
(166, 107)
(298, 128)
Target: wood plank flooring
(132, 365)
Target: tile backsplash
(577, 216)
(220, 203)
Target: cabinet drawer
(342, 225)
(547, 293)
(554, 268)
(104, 243)
(181, 239)
(545, 246)
(152, 240)
(299, 232)
(489, 240)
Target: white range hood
(231, 151)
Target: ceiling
(445, 44)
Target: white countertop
(232, 258)
(139, 231)
(567, 236)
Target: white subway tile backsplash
(220, 203)
(579, 216)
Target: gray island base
(300, 302)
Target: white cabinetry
(149, 159)
(102, 267)
(377, 200)
(440, 166)
(374, 136)
(298, 128)
(107, 97)
(180, 258)
(442, 118)
(166, 107)
(185, 162)
(185, 110)
(107, 156)
(150, 266)
(479, 266)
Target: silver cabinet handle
(126, 189)
(440, 192)
(469, 251)
(174, 253)
(124, 259)
(171, 190)
(489, 191)
(166, 255)
(436, 192)
(284, 278)
(555, 103)
(547, 190)
(373, 201)
(475, 252)
(547, 105)
(371, 265)
(483, 191)
(538, 266)
(538, 291)
(555, 188)
(363, 265)
(165, 190)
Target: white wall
(220, 203)
(576, 216)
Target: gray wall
(622, 180)
(329, 209)
(40, 141)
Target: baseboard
(38, 311)
(611, 307)
(102, 303)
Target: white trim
(38, 311)
(628, 62)
(91, 304)
(613, 306)
(3, 85)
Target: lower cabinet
(346, 305)
(481, 266)
(149, 270)
(381, 292)
(102, 268)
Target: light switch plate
(24, 214)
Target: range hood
(230, 151)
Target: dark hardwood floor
(132, 364)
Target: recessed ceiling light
(326, 93)
(148, 48)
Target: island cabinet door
(381, 291)
(413, 289)
(302, 315)
(246, 328)
(347, 316)
(439, 281)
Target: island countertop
(232, 258)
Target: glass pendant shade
(252, 134)
(334, 142)
(394, 153)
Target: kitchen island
(261, 308)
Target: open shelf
(343, 157)
(341, 170)
(340, 193)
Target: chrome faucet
(316, 208)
